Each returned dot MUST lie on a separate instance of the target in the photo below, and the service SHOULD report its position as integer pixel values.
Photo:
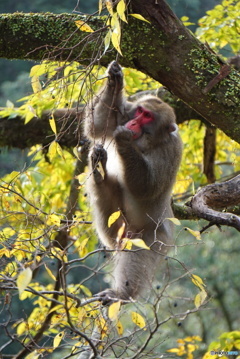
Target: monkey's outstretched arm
(104, 111)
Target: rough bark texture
(218, 196)
(164, 49)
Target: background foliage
(34, 202)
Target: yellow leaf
(119, 328)
(57, 340)
(81, 249)
(107, 40)
(13, 175)
(56, 308)
(50, 272)
(115, 24)
(36, 85)
(196, 234)
(113, 310)
(76, 153)
(53, 124)
(175, 221)
(109, 7)
(86, 291)
(116, 42)
(81, 178)
(60, 254)
(139, 17)
(112, 219)
(126, 244)
(100, 6)
(55, 149)
(30, 114)
(139, 243)
(38, 70)
(199, 299)
(138, 320)
(83, 26)
(60, 151)
(121, 8)
(9, 104)
(173, 350)
(23, 279)
(52, 150)
(121, 232)
(33, 355)
(198, 281)
(53, 220)
(76, 347)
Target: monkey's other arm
(105, 196)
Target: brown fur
(138, 176)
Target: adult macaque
(139, 149)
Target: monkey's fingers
(99, 154)
(115, 74)
(107, 297)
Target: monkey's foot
(115, 75)
(98, 155)
(109, 296)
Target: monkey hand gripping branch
(139, 149)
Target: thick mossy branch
(45, 36)
(164, 49)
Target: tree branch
(14, 132)
(151, 48)
(209, 199)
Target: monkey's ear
(173, 129)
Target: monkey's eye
(148, 114)
(140, 109)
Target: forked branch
(210, 199)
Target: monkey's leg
(133, 274)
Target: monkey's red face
(141, 117)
